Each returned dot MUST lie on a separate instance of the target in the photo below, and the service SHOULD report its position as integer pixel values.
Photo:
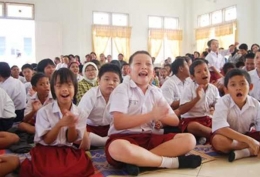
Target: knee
(118, 148)
(217, 142)
(188, 139)
(15, 138)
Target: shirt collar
(177, 80)
(249, 102)
(56, 109)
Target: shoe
(132, 169)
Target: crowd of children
(125, 107)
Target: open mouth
(65, 96)
(239, 95)
(143, 74)
(205, 78)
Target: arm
(72, 134)
(52, 134)
(32, 108)
(175, 104)
(187, 106)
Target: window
(2, 45)
(27, 43)
(115, 20)
(216, 17)
(230, 13)
(101, 18)
(155, 22)
(204, 20)
(119, 19)
(170, 23)
(163, 22)
(1, 9)
(21, 11)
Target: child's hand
(31, 92)
(68, 119)
(159, 112)
(158, 125)
(199, 91)
(254, 145)
(36, 105)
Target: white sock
(170, 162)
(242, 153)
(96, 140)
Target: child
(27, 71)
(197, 101)
(59, 125)
(96, 103)
(234, 115)
(15, 89)
(89, 72)
(173, 87)
(249, 63)
(46, 66)
(216, 58)
(8, 163)
(131, 141)
(7, 111)
(40, 84)
(74, 67)
(163, 76)
(255, 75)
(15, 73)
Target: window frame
(3, 9)
(20, 4)
(110, 17)
(163, 22)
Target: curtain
(202, 37)
(226, 34)
(155, 41)
(174, 38)
(100, 38)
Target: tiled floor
(249, 167)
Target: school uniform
(97, 111)
(134, 102)
(29, 107)
(255, 92)
(217, 60)
(22, 79)
(173, 88)
(62, 158)
(200, 112)
(228, 114)
(7, 111)
(16, 90)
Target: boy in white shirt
(234, 115)
(131, 141)
(197, 101)
(15, 89)
(255, 77)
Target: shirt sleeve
(186, 95)
(81, 125)
(219, 119)
(224, 52)
(7, 105)
(119, 100)
(28, 107)
(87, 103)
(258, 118)
(169, 92)
(42, 124)
(161, 101)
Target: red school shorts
(147, 141)
(99, 130)
(206, 121)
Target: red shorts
(147, 141)
(99, 130)
(254, 135)
(56, 161)
(206, 121)
(213, 76)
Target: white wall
(245, 15)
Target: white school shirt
(22, 79)
(6, 105)
(255, 92)
(172, 89)
(96, 108)
(228, 114)
(16, 90)
(202, 107)
(27, 86)
(48, 116)
(128, 98)
(217, 60)
(33, 98)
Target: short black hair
(34, 65)
(136, 53)
(116, 62)
(243, 47)
(5, 70)
(14, 66)
(205, 53)
(27, 66)
(108, 67)
(178, 62)
(253, 46)
(43, 63)
(210, 41)
(97, 63)
(124, 64)
(228, 66)
(250, 55)
(239, 64)
(36, 77)
(197, 53)
(236, 72)
(196, 63)
(65, 76)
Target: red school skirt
(205, 120)
(53, 161)
(147, 141)
(99, 130)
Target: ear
(181, 68)
(192, 77)
(225, 90)
(251, 86)
(34, 88)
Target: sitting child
(40, 84)
(58, 126)
(96, 103)
(197, 101)
(234, 115)
(131, 140)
